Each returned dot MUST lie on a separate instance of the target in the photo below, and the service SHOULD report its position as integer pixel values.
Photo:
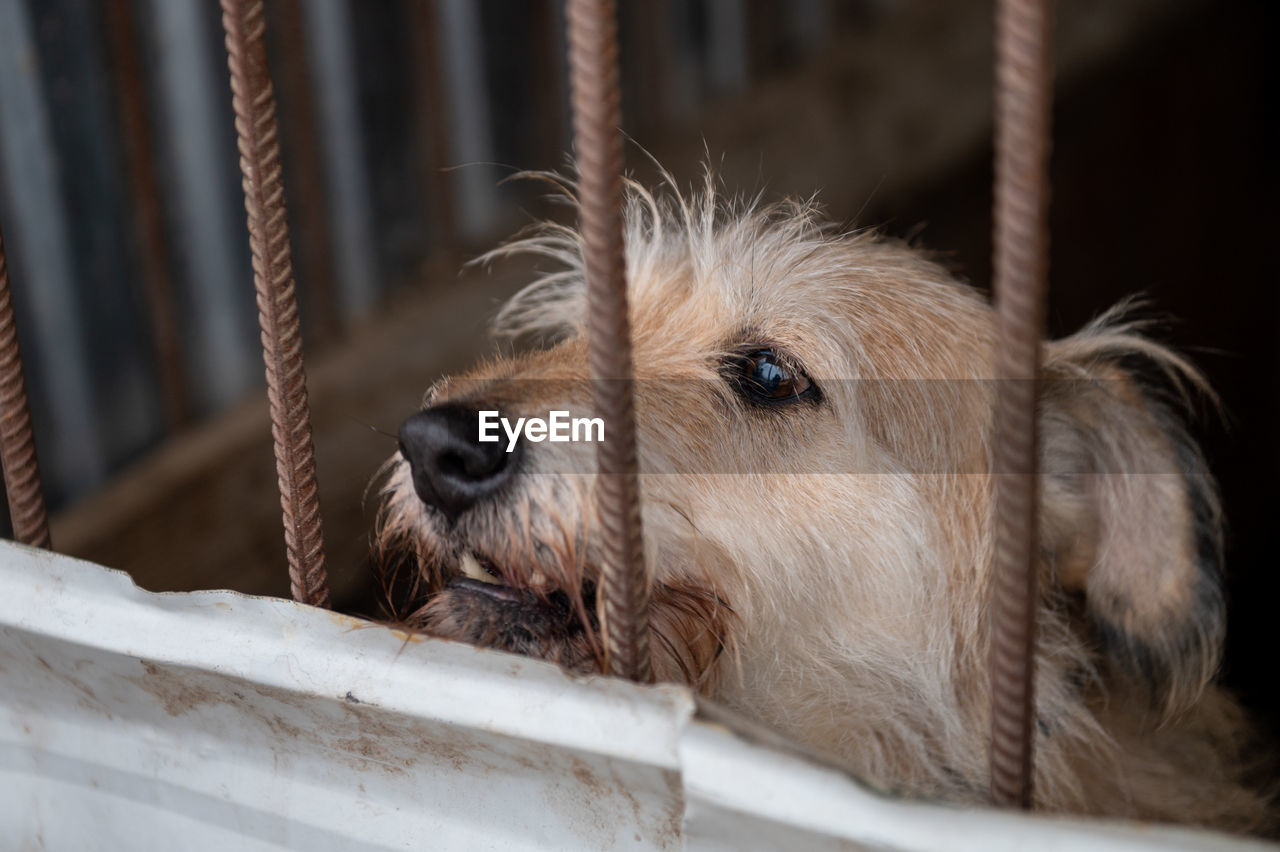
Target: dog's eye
(763, 376)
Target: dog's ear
(1130, 520)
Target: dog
(814, 418)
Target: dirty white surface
(214, 721)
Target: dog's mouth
(481, 575)
(510, 607)
(477, 572)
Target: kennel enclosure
(309, 728)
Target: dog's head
(813, 415)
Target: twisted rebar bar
(1023, 98)
(254, 105)
(597, 116)
(17, 443)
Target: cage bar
(17, 443)
(597, 116)
(1023, 98)
(254, 104)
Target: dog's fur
(823, 566)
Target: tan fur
(824, 569)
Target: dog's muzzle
(452, 469)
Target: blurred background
(122, 216)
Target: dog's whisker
(374, 429)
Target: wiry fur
(848, 608)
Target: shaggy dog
(814, 422)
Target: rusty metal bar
(17, 443)
(1023, 101)
(254, 104)
(140, 159)
(597, 116)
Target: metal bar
(807, 23)
(470, 123)
(597, 115)
(331, 48)
(651, 24)
(1023, 99)
(17, 443)
(432, 118)
(546, 54)
(140, 161)
(307, 188)
(254, 107)
(41, 246)
(728, 49)
(684, 86)
(219, 332)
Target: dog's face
(813, 416)
(759, 362)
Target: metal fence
(119, 186)
(63, 333)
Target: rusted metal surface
(17, 442)
(254, 104)
(1023, 98)
(130, 88)
(597, 116)
(307, 183)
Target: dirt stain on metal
(658, 819)
(175, 693)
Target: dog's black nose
(452, 468)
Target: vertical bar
(307, 186)
(254, 106)
(209, 247)
(432, 115)
(471, 144)
(546, 55)
(651, 24)
(140, 159)
(685, 90)
(41, 247)
(1023, 98)
(728, 48)
(597, 115)
(17, 443)
(808, 23)
(332, 54)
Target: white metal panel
(215, 721)
(745, 796)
